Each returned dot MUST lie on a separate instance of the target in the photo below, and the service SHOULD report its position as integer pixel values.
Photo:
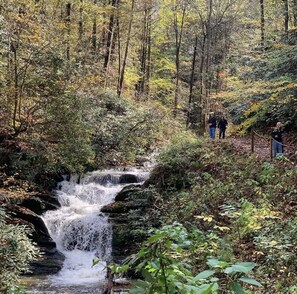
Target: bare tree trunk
(140, 87)
(120, 88)
(286, 16)
(119, 54)
(94, 32)
(200, 102)
(208, 43)
(262, 23)
(108, 59)
(189, 112)
(67, 20)
(178, 39)
(80, 22)
(295, 13)
(16, 88)
(94, 35)
(149, 41)
(110, 34)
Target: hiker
(277, 140)
(222, 125)
(212, 123)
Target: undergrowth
(245, 207)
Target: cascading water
(81, 232)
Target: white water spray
(81, 232)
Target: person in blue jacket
(277, 140)
(212, 123)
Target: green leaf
(205, 289)
(212, 262)
(251, 281)
(204, 275)
(242, 267)
(236, 288)
(248, 265)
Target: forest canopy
(88, 82)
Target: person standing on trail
(212, 123)
(222, 125)
(277, 140)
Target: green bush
(16, 251)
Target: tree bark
(262, 8)
(16, 89)
(94, 32)
(178, 39)
(68, 29)
(208, 46)
(189, 112)
(120, 87)
(80, 22)
(110, 34)
(295, 13)
(145, 52)
(286, 16)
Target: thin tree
(80, 21)
(121, 80)
(94, 31)
(262, 10)
(190, 102)
(68, 29)
(295, 13)
(142, 86)
(178, 39)
(110, 33)
(286, 16)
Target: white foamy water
(81, 232)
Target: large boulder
(128, 218)
(41, 203)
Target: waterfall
(81, 232)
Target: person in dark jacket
(222, 125)
(212, 123)
(277, 140)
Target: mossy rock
(133, 193)
(123, 206)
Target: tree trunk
(94, 32)
(144, 51)
(178, 39)
(189, 112)
(295, 13)
(120, 87)
(67, 21)
(16, 89)
(110, 34)
(208, 43)
(262, 23)
(119, 54)
(80, 22)
(286, 16)
(149, 42)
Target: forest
(95, 84)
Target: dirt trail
(262, 147)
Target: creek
(82, 232)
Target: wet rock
(41, 203)
(127, 216)
(128, 192)
(50, 262)
(128, 179)
(123, 206)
